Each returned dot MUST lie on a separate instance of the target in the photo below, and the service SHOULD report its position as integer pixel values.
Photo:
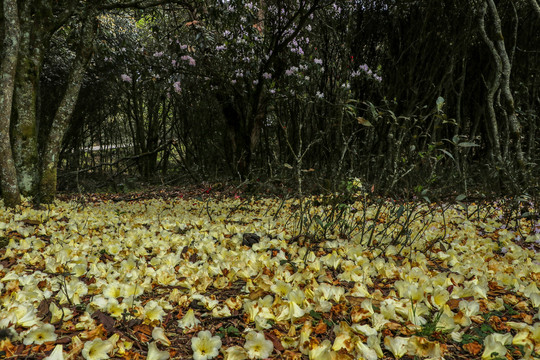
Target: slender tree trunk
(8, 174)
(492, 126)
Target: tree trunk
(511, 118)
(24, 117)
(49, 159)
(501, 84)
(535, 6)
(8, 174)
(492, 125)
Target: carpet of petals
(172, 279)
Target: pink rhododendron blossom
(126, 78)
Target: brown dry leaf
(392, 326)
(131, 355)
(49, 346)
(473, 348)
(180, 314)
(497, 324)
(63, 340)
(340, 309)
(142, 337)
(355, 300)
(478, 319)
(32, 222)
(43, 308)
(257, 294)
(76, 348)
(107, 321)
(8, 347)
(494, 286)
(291, 355)
(342, 354)
(20, 349)
(277, 344)
(143, 328)
(358, 314)
(32, 349)
(444, 349)
(522, 306)
(408, 329)
(321, 328)
(268, 272)
(528, 319)
(525, 317)
(483, 305)
(453, 303)
(98, 331)
(510, 299)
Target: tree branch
(127, 158)
(137, 4)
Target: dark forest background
(408, 96)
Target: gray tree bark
(8, 174)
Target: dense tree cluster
(406, 95)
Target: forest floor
(146, 275)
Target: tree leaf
(363, 121)
(448, 153)
(440, 103)
(467, 144)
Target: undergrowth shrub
(363, 218)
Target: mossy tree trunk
(10, 49)
(24, 116)
(51, 149)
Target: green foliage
(228, 331)
(430, 329)
(315, 315)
